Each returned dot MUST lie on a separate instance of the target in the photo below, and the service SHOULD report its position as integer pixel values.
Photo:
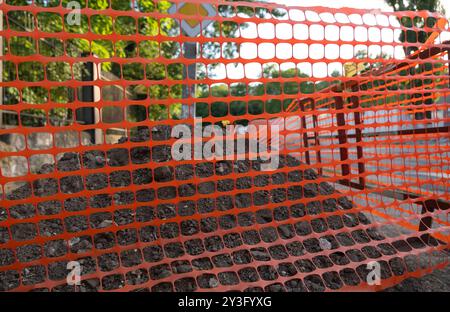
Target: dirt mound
(189, 226)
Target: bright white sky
(365, 34)
(357, 4)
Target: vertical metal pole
(306, 138)
(316, 135)
(305, 132)
(358, 137)
(88, 115)
(190, 52)
(342, 136)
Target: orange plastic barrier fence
(90, 94)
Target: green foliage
(414, 36)
(59, 71)
(417, 37)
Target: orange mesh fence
(92, 91)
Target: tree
(417, 38)
(412, 36)
(151, 49)
(58, 71)
(416, 5)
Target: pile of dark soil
(438, 281)
(222, 225)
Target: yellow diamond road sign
(193, 26)
(352, 69)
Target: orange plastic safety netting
(90, 94)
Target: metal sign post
(190, 52)
(89, 115)
(191, 28)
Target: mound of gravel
(191, 226)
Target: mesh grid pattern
(364, 147)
